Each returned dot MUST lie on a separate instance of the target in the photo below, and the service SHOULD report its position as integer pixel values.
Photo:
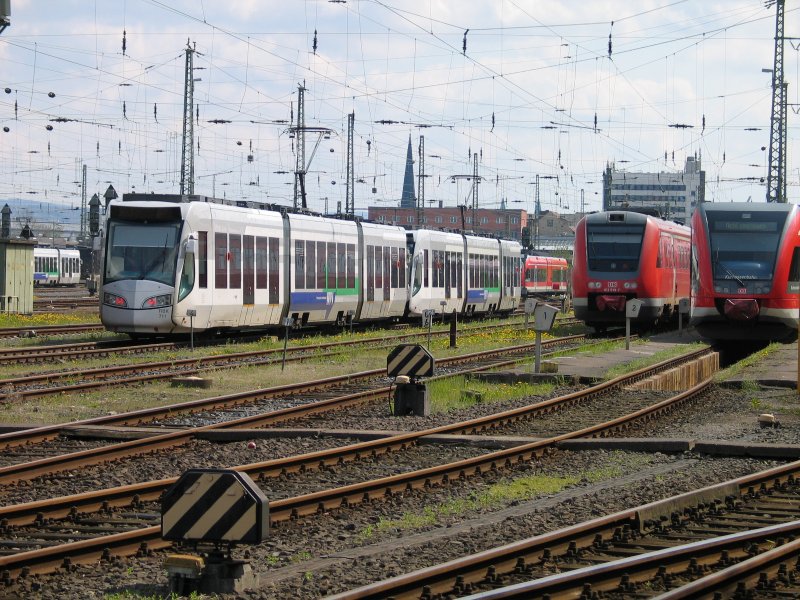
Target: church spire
(408, 199)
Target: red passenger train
(544, 276)
(745, 275)
(621, 255)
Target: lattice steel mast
(776, 176)
(187, 147)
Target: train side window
(402, 260)
(378, 267)
(236, 262)
(341, 263)
(394, 265)
(311, 262)
(187, 278)
(794, 269)
(299, 265)
(370, 283)
(274, 270)
(387, 273)
(351, 266)
(460, 275)
(331, 267)
(202, 259)
(221, 261)
(425, 267)
(262, 262)
(321, 269)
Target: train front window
(142, 251)
(614, 247)
(744, 245)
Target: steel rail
(686, 560)
(50, 465)
(304, 505)
(139, 417)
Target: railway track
(42, 560)
(79, 380)
(712, 543)
(92, 349)
(343, 391)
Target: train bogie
(746, 271)
(624, 255)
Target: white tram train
(174, 263)
(56, 266)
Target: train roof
(746, 206)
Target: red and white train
(544, 277)
(621, 255)
(746, 271)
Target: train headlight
(594, 285)
(157, 301)
(630, 285)
(113, 300)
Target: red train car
(544, 276)
(745, 275)
(621, 255)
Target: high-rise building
(673, 195)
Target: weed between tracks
(500, 495)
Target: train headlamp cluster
(594, 285)
(157, 301)
(151, 302)
(114, 300)
(630, 285)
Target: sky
(551, 89)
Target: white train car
(384, 272)
(468, 274)
(70, 266)
(345, 270)
(510, 275)
(45, 266)
(239, 267)
(56, 266)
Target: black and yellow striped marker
(215, 505)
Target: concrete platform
(589, 367)
(777, 369)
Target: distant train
(175, 263)
(622, 255)
(746, 270)
(56, 266)
(545, 276)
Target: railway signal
(406, 363)
(213, 509)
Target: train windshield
(614, 247)
(142, 251)
(744, 245)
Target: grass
(446, 394)
(502, 494)
(43, 319)
(754, 358)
